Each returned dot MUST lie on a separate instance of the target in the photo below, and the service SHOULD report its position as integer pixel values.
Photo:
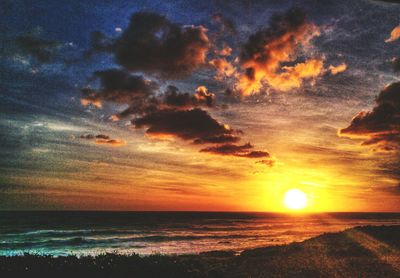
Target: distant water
(92, 233)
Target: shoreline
(364, 251)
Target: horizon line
(199, 211)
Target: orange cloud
(394, 35)
(226, 51)
(223, 68)
(86, 102)
(111, 142)
(337, 69)
(115, 118)
(291, 77)
(264, 54)
(203, 95)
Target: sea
(145, 233)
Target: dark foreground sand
(359, 252)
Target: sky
(199, 105)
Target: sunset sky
(199, 105)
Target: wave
(71, 233)
(92, 242)
(140, 230)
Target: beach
(167, 233)
(369, 251)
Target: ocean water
(93, 233)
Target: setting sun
(295, 199)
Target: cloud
(225, 24)
(171, 114)
(381, 126)
(394, 35)
(337, 69)
(99, 42)
(102, 136)
(152, 44)
(185, 124)
(396, 64)
(225, 51)
(87, 136)
(121, 87)
(223, 68)
(103, 139)
(32, 45)
(199, 127)
(244, 150)
(111, 142)
(383, 142)
(218, 139)
(202, 95)
(267, 53)
(267, 162)
(91, 136)
(175, 99)
(41, 49)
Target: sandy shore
(358, 252)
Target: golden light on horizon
(295, 199)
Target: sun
(295, 199)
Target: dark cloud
(383, 142)
(32, 45)
(229, 149)
(255, 154)
(280, 24)
(172, 113)
(381, 126)
(103, 139)
(265, 56)
(185, 124)
(102, 136)
(198, 126)
(224, 138)
(90, 136)
(244, 150)
(41, 49)
(267, 162)
(154, 45)
(87, 136)
(99, 42)
(121, 87)
(174, 98)
(151, 44)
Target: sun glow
(295, 199)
